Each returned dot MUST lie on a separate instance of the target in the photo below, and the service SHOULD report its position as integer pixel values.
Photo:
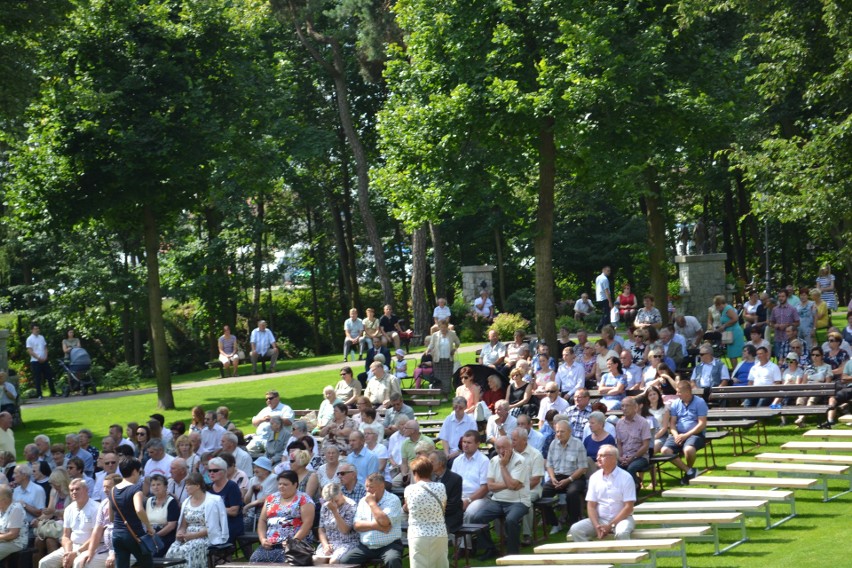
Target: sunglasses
(271, 397)
(655, 356)
(110, 463)
(214, 470)
(342, 473)
(551, 392)
(141, 433)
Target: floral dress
(340, 543)
(193, 551)
(283, 520)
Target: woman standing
(337, 517)
(442, 347)
(130, 521)
(228, 353)
(729, 321)
(807, 317)
(202, 523)
(426, 503)
(13, 524)
(822, 318)
(825, 285)
(230, 494)
(287, 513)
(70, 342)
(163, 511)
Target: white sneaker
(556, 530)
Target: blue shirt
(365, 463)
(688, 414)
(610, 380)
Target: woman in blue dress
(729, 321)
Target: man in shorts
(686, 429)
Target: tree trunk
(500, 288)
(419, 305)
(165, 398)
(544, 297)
(440, 261)
(402, 308)
(347, 299)
(257, 261)
(315, 323)
(656, 221)
(732, 222)
(348, 232)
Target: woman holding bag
(130, 522)
(426, 502)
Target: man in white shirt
(211, 434)
(110, 463)
(441, 312)
(690, 329)
(501, 423)
(353, 330)
(29, 494)
(552, 400)
(274, 406)
(764, 373)
(159, 462)
(609, 501)
(492, 353)
(77, 527)
(583, 307)
(535, 466)
(472, 466)
(631, 371)
(381, 385)
(603, 297)
(455, 425)
(571, 374)
(177, 481)
(241, 457)
(263, 346)
(39, 365)
(483, 307)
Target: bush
(466, 335)
(506, 324)
(521, 302)
(569, 322)
(122, 376)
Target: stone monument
(701, 277)
(475, 279)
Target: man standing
(571, 374)
(509, 484)
(782, 316)
(454, 426)
(690, 328)
(492, 353)
(686, 429)
(39, 365)
(378, 519)
(566, 465)
(263, 346)
(534, 462)
(353, 330)
(609, 501)
(77, 527)
(633, 436)
(362, 459)
(764, 373)
(453, 484)
(603, 297)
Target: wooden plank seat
(845, 419)
(830, 459)
(737, 428)
(421, 392)
(747, 506)
(656, 547)
(770, 496)
(815, 446)
(716, 520)
(829, 434)
(610, 558)
(751, 481)
(738, 413)
(784, 391)
(672, 532)
(823, 472)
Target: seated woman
(337, 431)
(739, 376)
(223, 414)
(229, 351)
(202, 522)
(613, 385)
(348, 388)
(261, 485)
(231, 496)
(494, 393)
(519, 395)
(544, 374)
(423, 372)
(163, 512)
(651, 402)
(598, 436)
(13, 524)
(627, 305)
(369, 421)
(327, 472)
(287, 513)
(326, 409)
(277, 442)
(336, 532)
(638, 347)
(308, 483)
(469, 390)
(60, 497)
(665, 380)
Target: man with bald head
(177, 482)
(552, 400)
(534, 462)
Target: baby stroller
(77, 377)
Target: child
(401, 367)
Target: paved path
(205, 384)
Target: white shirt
(262, 340)
(690, 330)
(601, 286)
(569, 379)
(354, 327)
(441, 313)
(211, 439)
(519, 472)
(634, 375)
(163, 467)
(452, 429)
(481, 307)
(38, 345)
(764, 375)
(611, 492)
(473, 471)
(582, 306)
(492, 429)
(560, 405)
(80, 521)
(281, 410)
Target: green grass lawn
(813, 538)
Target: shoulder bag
(149, 543)
(441, 503)
(298, 552)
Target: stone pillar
(4, 349)
(701, 276)
(474, 279)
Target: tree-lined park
(172, 167)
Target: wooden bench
(823, 472)
(672, 532)
(737, 429)
(845, 419)
(751, 481)
(421, 392)
(771, 496)
(718, 394)
(430, 403)
(716, 520)
(609, 558)
(829, 434)
(747, 506)
(830, 459)
(655, 547)
(827, 447)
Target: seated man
(275, 407)
(843, 395)
(492, 353)
(453, 484)
(686, 429)
(583, 307)
(381, 385)
(509, 484)
(378, 520)
(609, 501)
(472, 466)
(396, 408)
(632, 372)
(389, 327)
(566, 466)
(571, 374)
(671, 349)
(534, 462)
(263, 346)
(501, 423)
(454, 427)
(709, 372)
(441, 312)
(408, 450)
(633, 436)
(764, 373)
(552, 400)
(77, 527)
(483, 307)
(690, 329)
(353, 334)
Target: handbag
(49, 528)
(149, 543)
(298, 552)
(727, 337)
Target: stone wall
(474, 279)
(701, 276)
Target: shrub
(506, 324)
(521, 302)
(466, 335)
(569, 322)
(122, 376)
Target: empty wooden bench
(815, 446)
(829, 434)
(609, 558)
(822, 471)
(770, 496)
(716, 520)
(655, 547)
